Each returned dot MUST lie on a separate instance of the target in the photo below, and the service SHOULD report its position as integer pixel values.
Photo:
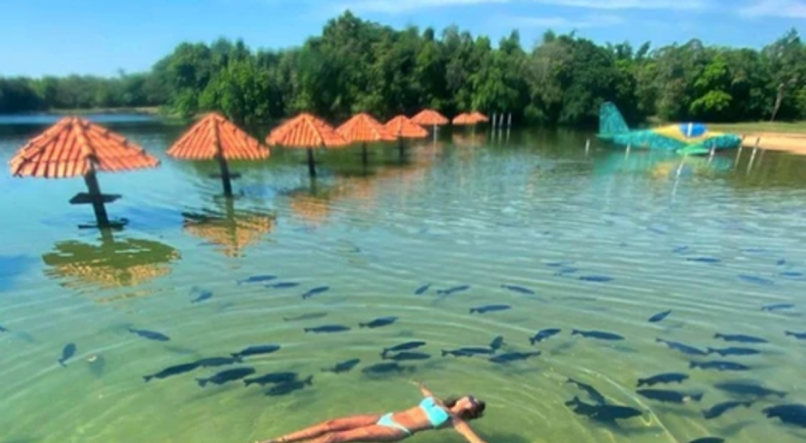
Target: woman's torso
(416, 419)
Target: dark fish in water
(173, 370)
(214, 362)
(709, 440)
(680, 249)
(559, 264)
(311, 316)
(790, 414)
(345, 366)
(2, 329)
(755, 280)
(792, 274)
(258, 279)
(315, 291)
(739, 338)
(257, 350)
(422, 289)
(721, 408)
(490, 308)
(709, 260)
(226, 376)
(68, 352)
(727, 352)
(327, 329)
(201, 295)
(468, 352)
(777, 307)
(385, 368)
(545, 334)
(599, 335)
(669, 396)
(283, 285)
(663, 379)
(409, 356)
(659, 317)
(273, 378)
(510, 357)
(403, 347)
(603, 413)
(749, 389)
(781, 262)
(453, 290)
(797, 335)
(289, 387)
(719, 366)
(685, 349)
(518, 289)
(378, 322)
(596, 278)
(150, 335)
(595, 395)
(497, 343)
(566, 271)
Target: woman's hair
(467, 414)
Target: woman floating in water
(431, 413)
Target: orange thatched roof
(305, 131)
(465, 119)
(429, 117)
(73, 146)
(364, 128)
(479, 116)
(402, 126)
(215, 133)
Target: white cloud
(557, 22)
(775, 8)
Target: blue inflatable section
(693, 129)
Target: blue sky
(101, 36)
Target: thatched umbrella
(75, 147)
(308, 132)
(216, 138)
(465, 119)
(403, 128)
(481, 118)
(363, 128)
(429, 117)
(232, 231)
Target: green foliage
(357, 65)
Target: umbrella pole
(311, 165)
(364, 154)
(225, 178)
(400, 148)
(97, 203)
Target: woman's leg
(336, 425)
(373, 433)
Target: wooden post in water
(753, 155)
(587, 146)
(222, 164)
(97, 199)
(364, 154)
(311, 164)
(509, 120)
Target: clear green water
(499, 211)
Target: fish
(559, 264)
(777, 307)
(68, 352)
(596, 278)
(345, 366)
(719, 366)
(378, 322)
(518, 289)
(150, 335)
(603, 413)
(749, 389)
(718, 410)
(272, 378)
(409, 345)
(791, 274)
(740, 338)
(2, 329)
(490, 308)
(385, 368)
(659, 317)
(566, 271)
(709, 440)
(226, 376)
(726, 352)
(680, 249)
(793, 414)
(409, 356)
(669, 396)
(422, 289)
(663, 379)
(289, 387)
(202, 295)
(468, 352)
(213, 362)
(755, 280)
(709, 260)
(315, 291)
(171, 371)
(781, 262)
(257, 350)
(453, 290)
(257, 279)
(797, 335)
(510, 357)
(545, 334)
(283, 285)
(327, 329)
(497, 343)
(310, 316)
(685, 349)
(594, 394)
(599, 335)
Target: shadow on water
(11, 267)
(230, 230)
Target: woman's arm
(423, 389)
(465, 431)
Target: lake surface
(603, 239)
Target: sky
(101, 37)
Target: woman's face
(467, 403)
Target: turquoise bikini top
(436, 415)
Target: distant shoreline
(153, 111)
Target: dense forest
(357, 65)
